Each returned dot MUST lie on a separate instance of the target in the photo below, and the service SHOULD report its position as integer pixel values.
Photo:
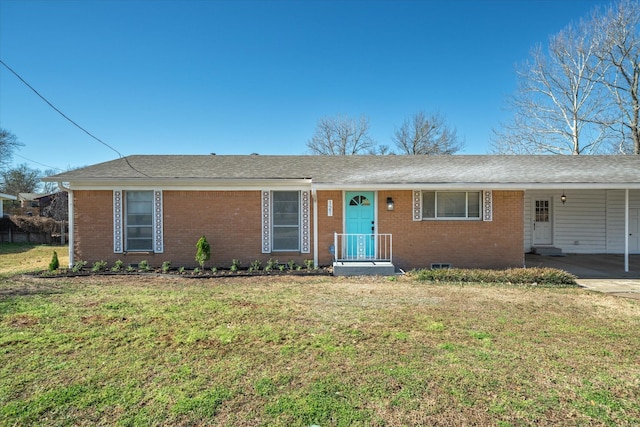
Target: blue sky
(237, 77)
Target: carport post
(626, 230)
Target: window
(451, 204)
(138, 220)
(286, 221)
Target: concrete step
(363, 268)
(547, 251)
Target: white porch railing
(363, 247)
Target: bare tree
(559, 107)
(58, 209)
(8, 143)
(341, 136)
(21, 179)
(617, 44)
(426, 134)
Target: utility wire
(69, 119)
(38, 163)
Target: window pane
(428, 204)
(139, 220)
(286, 220)
(286, 239)
(138, 232)
(452, 205)
(286, 208)
(139, 244)
(474, 204)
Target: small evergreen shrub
(203, 251)
(54, 264)
(235, 264)
(144, 265)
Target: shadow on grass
(15, 248)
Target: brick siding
(231, 221)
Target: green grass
(275, 351)
(18, 258)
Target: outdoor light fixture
(563, 198)
(389, 204)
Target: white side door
(542, 224)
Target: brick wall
(230, 220)
(485, 244)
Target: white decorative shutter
(417, 205)
(117, 222)
(487, 206)
(305, 229)
(266, 221)
(158, 235)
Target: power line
(69, 119)
(38, 163)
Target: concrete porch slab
(363, 268)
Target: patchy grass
(282, 351)
(16, 258)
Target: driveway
(602, 273)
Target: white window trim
(118, 221)
(486, 208)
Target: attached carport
(589, 266)
(598, 272)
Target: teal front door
(360, 225)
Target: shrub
(291, 264)
(78, 266)
(166, 266)
(54, 264)
(235, 264)
(117, 266)
(98, 266)
(537, 276)
(309, 264)
(271, 264)
(144, 265)
(203, 251)
(255, 265)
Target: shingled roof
(514, 171)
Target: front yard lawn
(299, 351)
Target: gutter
(71, 222)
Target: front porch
(363, 255)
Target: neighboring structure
(411, 211)
(4, 197)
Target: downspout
(71, 222)
(314, 197)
